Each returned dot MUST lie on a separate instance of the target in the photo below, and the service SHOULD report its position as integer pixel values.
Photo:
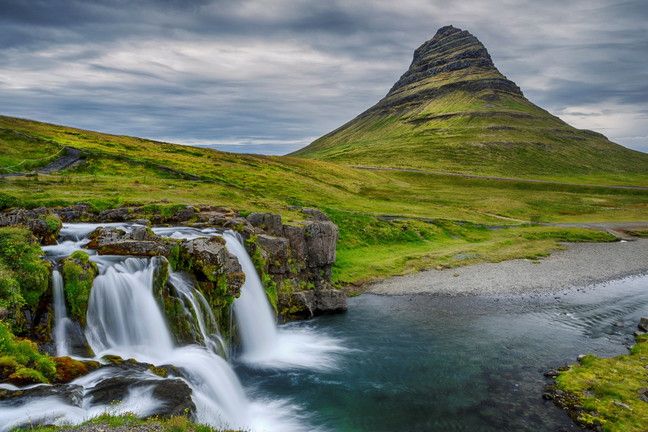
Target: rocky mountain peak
(451, 51)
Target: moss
(78, 275)
(21, 362)
(159, 371)
(608, 393)
(24, 275)
(130, 421)
(68, 369)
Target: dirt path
(496, 178)
(581, 264)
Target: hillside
(390, 222)
(454, 111)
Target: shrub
(20, 360)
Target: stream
(416, 363)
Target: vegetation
(24, 276)
(448, 218)
(609, 393)
(129, 422)
(78, 274)
(21, 362)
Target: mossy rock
(78, 275)
(20, 361)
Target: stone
(310, 303)
(297, 242)
(321, 240)
(276, 252)
(210, 257)
(120, 214)
(268, 222)
(140, 241)
(316, 214)
(174, 394)
(643, 324)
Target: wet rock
(643, 324)
(70, 393)
(208, 258)
(140, 241)
(174, 394)
(268, 222)
(310, 303)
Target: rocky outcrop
(138, 241)
(43, 223)
(298, 260)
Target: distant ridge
(453, 110)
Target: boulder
(268, 222)
(174, 394)
(140, 241)
(310, 303)
(321, 240)
(42, 222)
(316, 214)
(643, 324)
(297, 241)
(276, 252)
(121, 214)
(209, 258)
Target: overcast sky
(270, 76)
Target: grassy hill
(453, 111)
(391, 222)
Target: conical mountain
(454, 111)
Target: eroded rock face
(140, 241)
(209, 259)
(307, 304)
(268, 222)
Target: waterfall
(199, 310)
(61, 321)
(264, 344)
(254, 317)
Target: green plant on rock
(608, 393)
(24, 275)
(21, 362)
(78, 275)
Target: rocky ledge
(293, 260)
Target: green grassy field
(390, 222)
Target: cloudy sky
(271, 75)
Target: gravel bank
(581, 264)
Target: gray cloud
(268, 76)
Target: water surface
(436, 363)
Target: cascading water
(124, 318)
(61, 321)
(265, 345)
(200, 312)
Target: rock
(643, 394)
(276, 252)
(209, 258)
(622, 405)
(268, 222)
(310, 303)
(643, 324)
(73, 213)
(321, 241)
(297, 241)
(580, 357)
(182, 215)
(316, 214)
(42, 222)
(120, 214)
(174, 394)
(71, 394)
(140, 241)
(143, 222)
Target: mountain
(454, 111)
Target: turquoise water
(436, 363)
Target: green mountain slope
(454, 111)
(390, 222)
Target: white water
(200, 310)
(125, 319)
(61, 320)
(264, 344)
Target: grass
(427, 218)
(484, 133)
(21, 362)
(606, 392)
(130, 422)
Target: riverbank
(579, 265)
